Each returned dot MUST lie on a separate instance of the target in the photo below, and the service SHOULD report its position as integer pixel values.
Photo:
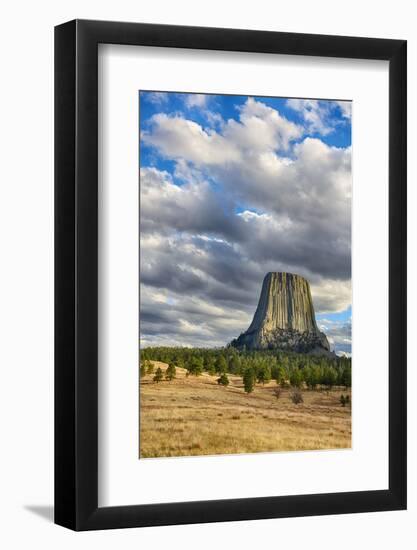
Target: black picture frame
(76, 272)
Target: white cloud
(157, 98)
(176, 137)
(346, 108)
(203, 256)
(315, 114)
(196, 100)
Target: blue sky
(233, 187)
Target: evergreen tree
(296, 377)
(346, 377)
(142, 370)
(263, 375)
(171, 372)
(195, 367)
(159, 375)
(234, 364)
(149, 367)
(249, 380)
(221, 364)
(281, 376)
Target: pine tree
(221, 364)
(149, 367)
(296, 377)
(159, 375)
(196, 366)
(248, 380)
(171, 372)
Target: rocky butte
(284, 318)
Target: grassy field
(195, 416)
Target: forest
(288, 369)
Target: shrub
(277, 392)
(296, 396)
(142, 370)
(344, 400)
(223, 380)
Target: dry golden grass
(195, 416)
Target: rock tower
(284, 318)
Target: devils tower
(284, 318)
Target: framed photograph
(230, 244)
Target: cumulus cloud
(256, 195)
(196, 100)
(317, 115)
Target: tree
(221, 364)
(329, 378)
(346, 377)
(149, 367)
(249, 380)
(263, 375)
(234, 364)
(158, 375)
(223, 380)
(171, 372)
(209, 365)
(142, 370)
(296, 377)
(195, 367)
(311, 377)
(280, 376)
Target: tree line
(257, 366)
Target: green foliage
(171, 372)
(223, 380)
(142, 370)
(209, 365)
(249, 380)
(263, 374)
(280, 376)
(159, 375)
(149, 367)
(345, 378)
(296, 377)
(329, 377)
(287, 368)
(312, 376)
(195, 367)
(234, 364)
(221, 364)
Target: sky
(232, 187)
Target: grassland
(195, 416)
